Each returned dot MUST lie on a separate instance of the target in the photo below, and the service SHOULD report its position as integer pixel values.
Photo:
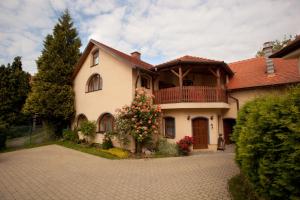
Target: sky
(228, 30)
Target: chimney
(267, 49)
(136, 55)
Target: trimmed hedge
(267, 136)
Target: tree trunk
(138, 147)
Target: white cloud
(225, 29)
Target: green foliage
(267, 136)
(3, 128)
(140, 120)
(120, 153)
(52, 96)
(87, 149)
(14, 88)
(166, 148)
(71, 135)
(107, 143)
(277, 45)
(240, 188)
(88, 128)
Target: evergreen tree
(52, 97)
(14, 89)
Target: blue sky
(161, 30)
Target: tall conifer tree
(52, 97)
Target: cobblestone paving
(55, 172)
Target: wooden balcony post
(218, 84)
(180, 82)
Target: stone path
(55, 172)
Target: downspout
(237, 102)
(137, 78)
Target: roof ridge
(120, 52)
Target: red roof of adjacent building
(252, 73)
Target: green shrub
(107, 143)
(70, 135)
(88, 129)
(166, 148)
(267, 136)
(120, 153)
(3, 136)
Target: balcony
(195, 94)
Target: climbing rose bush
(140, 119)
(184, 145)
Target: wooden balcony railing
(190, 94)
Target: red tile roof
(252, 73)
(193, 60)
(127, 57)
(188, 59)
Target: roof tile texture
(252, 73)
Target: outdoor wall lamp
(211, 117)
(188, 117)
(212, 126)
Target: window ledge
(93, 91)
(94, 65)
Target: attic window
(95, 58)
(145, 82)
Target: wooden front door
(228, 125)
(200, 133)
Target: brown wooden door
(200, 133)
(228, 125)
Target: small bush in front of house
(267, 136)
(184, 145)
(107, 143)
(140, 120)
(166, 148)
(70, 135)
(88, 129)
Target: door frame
(224, 119)
(208, 129)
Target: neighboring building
(291, 51)
(198, 96)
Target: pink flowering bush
(184, 145)
(140, 119)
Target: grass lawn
(240, 189)
(87, 149)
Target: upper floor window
(145, 82)
(94, 83)
(95, 60)
(169, 127)
(106, 123)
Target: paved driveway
(55, 172)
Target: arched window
(81, 118)
(106, 122)
(94, 83)
(169, 127)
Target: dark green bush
(3, 135)
(107, 143)
(267, 136)
(71, 135)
